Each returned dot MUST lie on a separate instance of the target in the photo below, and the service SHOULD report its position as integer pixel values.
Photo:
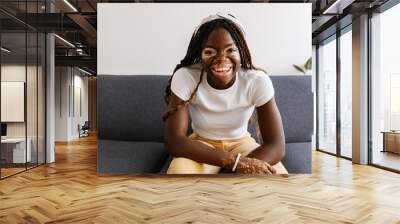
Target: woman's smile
(222, 70)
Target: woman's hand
(254, 166)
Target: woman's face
(220, 58)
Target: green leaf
(300, 69)
(308, 64)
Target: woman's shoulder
(191, 71)
(184, 81)
(261, 89)
(253, 74)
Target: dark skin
(221, 60)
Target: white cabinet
(391, 141)
(17, 146)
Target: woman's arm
(270, 123)
(179, 145)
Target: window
(346, 94)
(385, 89)
(327, 97)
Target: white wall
(62, 81)
(15, 72)
(18, 73)
(69, 82)
(33, 126)
(150, 38)
(79, 117)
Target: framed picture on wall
(12, 101)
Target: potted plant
(305, 67)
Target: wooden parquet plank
(70, 191)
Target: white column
(50, 92)
(314, 91)
(50, 100)
(360, 90)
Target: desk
(15, 148)
(391, 141)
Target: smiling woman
(217, 85)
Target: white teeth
(224, 69)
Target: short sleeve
(182, 84)
(263, 90)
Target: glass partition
(22, 77)
(14, 153)
(327, 97)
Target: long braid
(185, 103)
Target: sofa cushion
(130, 157)
(298, 157)
(295, 102)
(294, 99)
(130, 107)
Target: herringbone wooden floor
(70, 191)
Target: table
(391, 141)
(13, 150)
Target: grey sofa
(130, 129)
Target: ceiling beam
(337, 6)
(84, 61)
(86, 26)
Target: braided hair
(193, 56)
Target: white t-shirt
(222, 114)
